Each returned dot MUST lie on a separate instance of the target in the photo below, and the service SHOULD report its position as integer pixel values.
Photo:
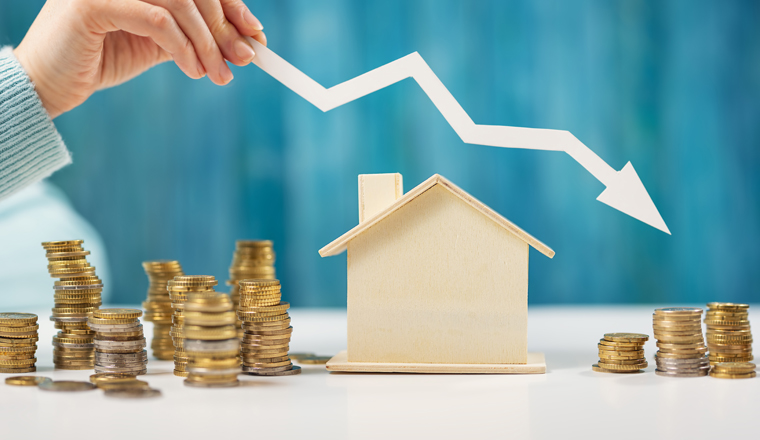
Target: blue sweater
(30, 147)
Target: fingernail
(252, 21)
(201, 70)
(225, 73)
(244, 51)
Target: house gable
(437, 282)
(340, 244)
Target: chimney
(377, 192)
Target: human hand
(76, 47)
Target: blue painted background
(167, 167)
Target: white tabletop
(567, 402)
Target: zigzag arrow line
(624, 191)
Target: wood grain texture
(536, 364)
(377, 192)
(438, 282)
(340, 244)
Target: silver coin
(117, 330)
(120, 362)
(79, 287)
(684, 369)
(292, 372)
(63, 345)
(676, 374)
(198, 345)
(133, 371)
(69, 319)
(133, 393)
(120, 344)
(139, 355)
(212, 372)
(681, 361)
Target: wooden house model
(437, 282)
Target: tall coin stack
(267, 330)
(211, 341)
(77, 295)
(621, 353)
(681, 353)
(119, 341)
(179, 288)
(158, 305)
(729, 337)
(18, 342)
(253, 259)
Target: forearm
(30, 147)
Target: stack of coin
(119, 341)
(18, 342)
(621, 353)
(267, 330)
(179, 288)
(77, 295)
(211, 341)
(729, 337)
(253, 259)
(158, 305)
(733, 370)
(681, 346)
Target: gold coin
(107, 321)
(726, 306)
(117, 313)
(610, 366)
(678, 311)
(17, 319)
(121, 383)
(25, 329)
(616, 357)
(732, 376)
(626, 337)
(5, 370)
(318, 360)
(734, 367)
(25, 381)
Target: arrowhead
(627, 194)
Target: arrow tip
(628, 195)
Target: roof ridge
(338, 245)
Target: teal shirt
(30, 147)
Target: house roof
(339, 245)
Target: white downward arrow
(624, 191)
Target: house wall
(437, 282)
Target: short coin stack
(733, 370)
(681, 346)
(621, 353)
(158, 305)
(119, 341)
(77, 295)
(211, 341)
(729, 337)
(253, 259)
(267, 330)
(179, 288)
(18, 342)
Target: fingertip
(225, 75)
(252, 21)
(261, 38)
(244, 51)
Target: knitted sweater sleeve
(30, 147)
